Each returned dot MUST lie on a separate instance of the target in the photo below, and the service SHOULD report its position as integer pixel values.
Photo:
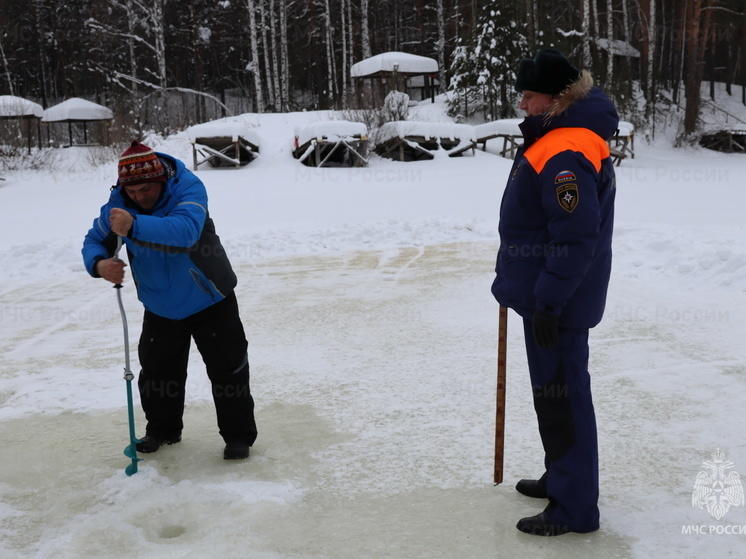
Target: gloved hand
(546, 329)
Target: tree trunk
(441, 45)
(610, 38)
(351, 43)
(365, 37)
(159, 39)
(255, 62)
(267, 65)
(136, 101)
(650, 101)
(329, 53)
(683, 32)
(284, 55)
(344, 52)
(586, 34)
(273, 50)
(696, 36)
(40, 33)
(7, 70)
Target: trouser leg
(221, 341)
(164, 353)
(567, 424)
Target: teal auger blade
(131, 452)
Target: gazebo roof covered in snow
(18, 107)
(77, 110)
(390, 62)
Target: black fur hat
(549, 72)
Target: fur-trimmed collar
(574, 92)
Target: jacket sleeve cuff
(93, 266)
(131, 232)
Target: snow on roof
(331, 130)
(405, 64)
(507, 126)
(625, 128)
(403, 128)
(12, 106)
(221, 129)
(77, 109)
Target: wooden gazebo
(18, 108)
(78, 111)
(390, 71)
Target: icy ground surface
(365, 295)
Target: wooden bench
(223, 151)
(322, 151)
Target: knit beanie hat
(139, 164)
(549, 72)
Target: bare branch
(93, 24)
(723, 9)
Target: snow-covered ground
(365, 293)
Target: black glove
(546, 329)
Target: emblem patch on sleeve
(564, 177)
(568, 197)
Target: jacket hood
(580, 105)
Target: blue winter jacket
(557, 214)
(177, 261)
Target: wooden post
(70, 132)
(502, 344)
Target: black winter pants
(164, 352)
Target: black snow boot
(151, 443)
(536, 488)
(236, 450)
(540, 525)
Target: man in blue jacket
(185, 282)
(553, 267)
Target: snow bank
(77, 109)
(331, 130)
(12, 106)
(402, 62)
(404, 128)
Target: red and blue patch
(564, 177)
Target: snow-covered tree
(500, 43)
(462, 86)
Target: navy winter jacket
(557, 213)
(178, 263)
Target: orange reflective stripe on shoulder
(590, 144)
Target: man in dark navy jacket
(185, 281)
(553, 267)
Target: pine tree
(500, 44)
(462, 84)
